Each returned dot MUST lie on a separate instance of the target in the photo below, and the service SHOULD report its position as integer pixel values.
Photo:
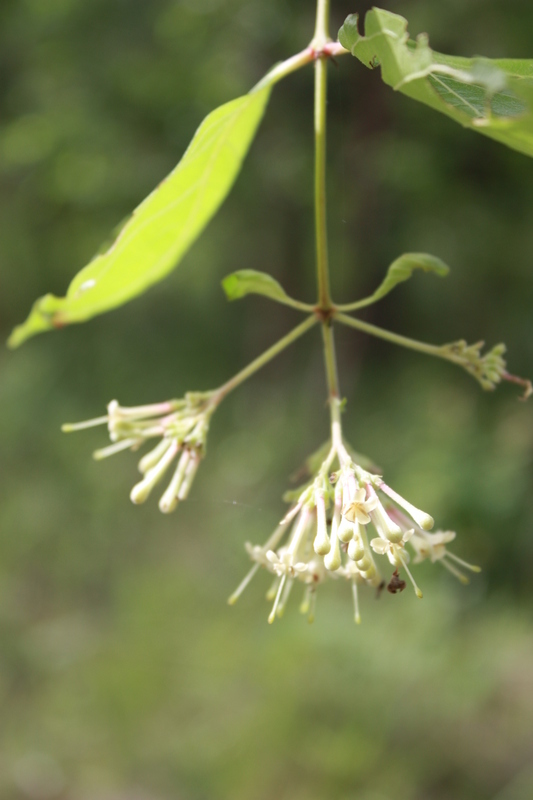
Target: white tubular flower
(283, 564)
(423, 520)
(311, 545)
(321, 544)
(397, 555)
(432, 546)
(394, 550)
(384, 525)
(360, 507)
(182, 427)
(333, 560)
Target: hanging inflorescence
(338, 528)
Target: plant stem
(322, 263)
(285, 68)
(261, 360)
(321, 36)
(330, 361)
(396, 338)
(320, 44)
(320, 40)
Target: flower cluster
(488, 369)
(180, 425)
(326, 535)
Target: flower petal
(379, 546)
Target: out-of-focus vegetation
(123, 674)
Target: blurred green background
(123, 673)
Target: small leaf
(163, 227)
(250, 281)
(491, 96)
(401, 270)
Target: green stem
(322, 262)
(285, 68)
(321, 36)
(357, 304)
(396, 338)
(320, 41)
(320, 44)
(261, 360)
(330, 361)
(333, 391)
(307, 308)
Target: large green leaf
(493, 97)
(163, 227)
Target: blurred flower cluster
(181, 427)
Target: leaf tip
(231, 287)
(42, 317)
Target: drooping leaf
(250, 281)
(491, 96)
(163, 227)
(401, 270)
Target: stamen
(357, 615)
(68, 427)
(465, 564)
(283, 603)
(457, 573)
(272, 615)
(312, 606)
(418, 591)
(270, 595)
(105, 452)
(243, 584)
(306, 602)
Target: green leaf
(491, 96)
(401, 270)
(161, 230)
(249, 281)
